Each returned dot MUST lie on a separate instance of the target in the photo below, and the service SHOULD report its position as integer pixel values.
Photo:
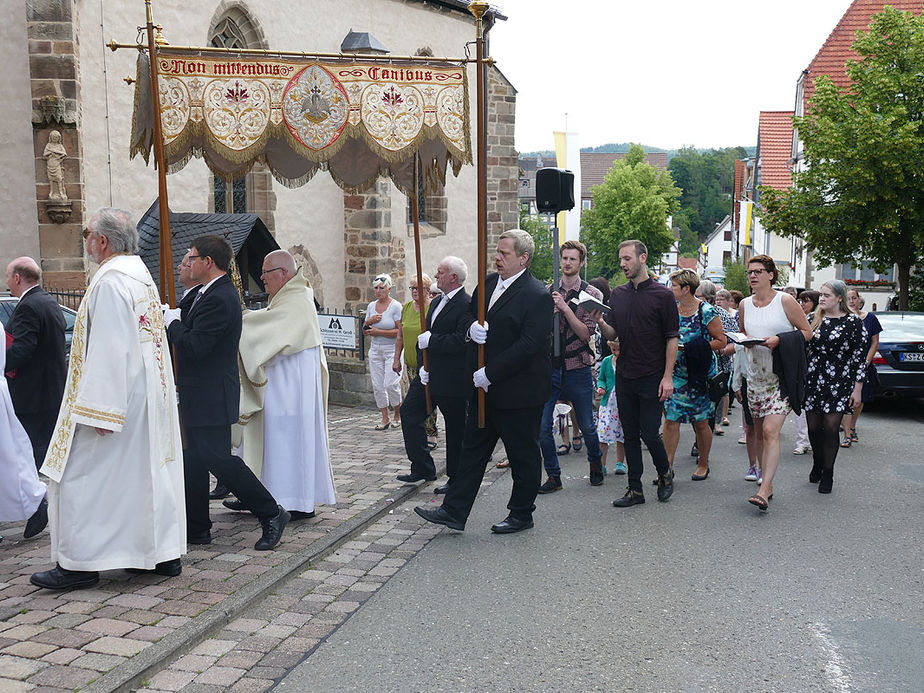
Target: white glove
(424, 376)
(170, 315)
(423, 340)
(481, 379)
(477, 333)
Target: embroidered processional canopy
(356, 119)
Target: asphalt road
(702, 593)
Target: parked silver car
(8, 305)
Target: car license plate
(909, 356)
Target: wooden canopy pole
(167, 286)
(478, 8)
(415, 212)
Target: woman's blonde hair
(685, 277)
(839, 289)
(427, 281)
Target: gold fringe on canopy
(358, 120)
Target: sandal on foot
(564, 448)
(853, 436)
(846, 442)
(759, 501)
(577, 443)
(725, 422)
(719, 431)
(503, 464)
(431, 445)
(383, 426)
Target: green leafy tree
(541, 265)
(707, 181)
(736, 278)
(862, 195)
(634, 201)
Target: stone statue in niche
(54, 156)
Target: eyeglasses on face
(755, 272)
(267, 271)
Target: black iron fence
(70, 298)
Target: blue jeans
(577, 388)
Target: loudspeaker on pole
(554, 190)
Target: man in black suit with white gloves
(36, 354)
(516, 380)
(448, 320)
(206, 338)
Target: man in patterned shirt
(572, 378)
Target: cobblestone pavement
(56, 641)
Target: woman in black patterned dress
(834, 381)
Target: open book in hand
(589, 303)
(743, 339)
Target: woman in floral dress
(834, 380)
(690, 401)
(609, 429)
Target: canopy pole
(167, 286)
(478, 8)
(415, 212)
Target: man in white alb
(283, 414)
(115, 499)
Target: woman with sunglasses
(766, 314)
(383, 324)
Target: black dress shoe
(170, 568)
(220, 491)
(300, 515)
(441, 490)
(414, 478)
(551, 485)
(272, 529)
(439, 516)
(38, 521)
(233, 504)
(204, 538)
(631, 498)
(596, 474)
(654, 482)
(59, 578)
(511, 525)
(666, 487)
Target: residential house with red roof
(831, 60)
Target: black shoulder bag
(716, 385)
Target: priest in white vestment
(22, 495)
(116, 496)
(284, 384)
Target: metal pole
(556, 317)
(478, 8)
(415, 213)
(167, 286)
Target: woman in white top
(383, 324)
(765, 314)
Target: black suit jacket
(206, 340)
(447, 349)
(188, 298)
(519, 341)
(37, 353)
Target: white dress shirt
(502, 285)
(443, 301)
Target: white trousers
(386, 384)
(802, 438)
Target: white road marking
(835, 667)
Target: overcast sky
(665, 73)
